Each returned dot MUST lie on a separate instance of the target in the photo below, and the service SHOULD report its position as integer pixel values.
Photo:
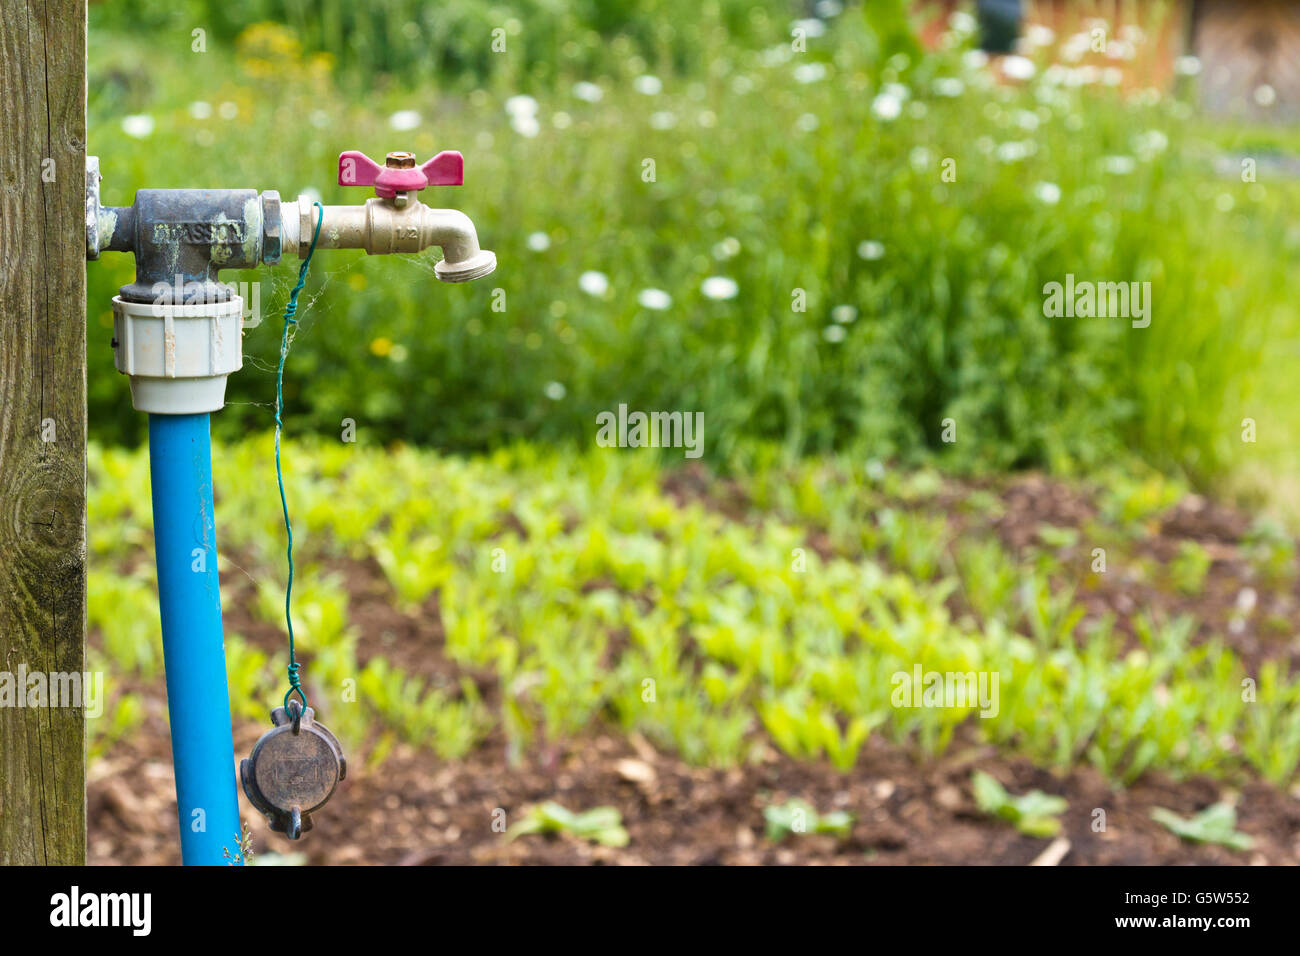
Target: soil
(416, 810)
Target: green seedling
(1271, 551)
(1034, 814)
(807, 729)
(1214, 824)
(1131, 501)
(1190, 567)
(988, 576)
(796, 816)
(915, 542)
(1058, 539)
(603, 825)
(124, 715)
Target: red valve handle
(358, 169)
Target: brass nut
(271, 228)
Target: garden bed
(906, 807)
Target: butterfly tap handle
(393, 220)
(400, 176)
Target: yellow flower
(381, 346)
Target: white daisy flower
(1048, 193)
(962, 22)
(521, 105)
(809, 72)
(138, 125)
(719, 287)
(656, 299)
(1013, 151)
(886, 107)
(593, 283)
(526, 126)
(404, 119)
(648, 85)
(1119, 165)
(1017, 68)
(1039, 35)
(948, 86)
(728, 248)
(1150, 143)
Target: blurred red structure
(1246, 52)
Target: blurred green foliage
(466, 42)
(781, 171)
(579, 593)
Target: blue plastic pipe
(189, 599)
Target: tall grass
(783, 172)
(465, 42)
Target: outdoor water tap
(183, 238)
(395, 220)
(178, 333)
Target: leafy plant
(1271, 551)
(1190, 567)
(811, 729)
(1058, 538)
(797, 816)
(1035, 813)
(601, 825)
(1215, 824)
(123, 715)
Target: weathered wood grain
(42, 420)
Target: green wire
(290, 310)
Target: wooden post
(42, 425)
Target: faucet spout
(381, 227)
(462, 258)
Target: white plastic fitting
(178, 356)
